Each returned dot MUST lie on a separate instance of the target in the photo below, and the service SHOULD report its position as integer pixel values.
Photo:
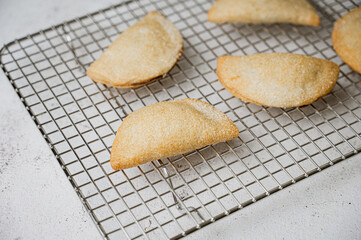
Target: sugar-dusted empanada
(167, 129)
(264, 11)
(346, 38)
(143, 52)
(277, 79)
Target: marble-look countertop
(38, 202)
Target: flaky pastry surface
(167, 129)
(263, 11)
(346, 38)
(143, 52)
(277, 79)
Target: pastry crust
(167, 129)
(141, 54)
(277, 79)
(346, 38)
(263, 11)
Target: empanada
(277, 79)
(143, 52)
(346, 38)
(167, 129)
(264, 11)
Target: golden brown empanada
(264, 11)
(143, 52)
(277, 79)
(346, 38)
(167, 129)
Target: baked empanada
(264, 11)
(277, 79)
(346, 38)
(141, 54)
(167, 129)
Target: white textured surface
(38, 202)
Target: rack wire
(276, 147)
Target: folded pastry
(277, 79)
(264, 11)
(167, 129)
(346, 38)
(143, 52)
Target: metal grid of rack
(276, 147)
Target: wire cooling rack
(276, 147)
